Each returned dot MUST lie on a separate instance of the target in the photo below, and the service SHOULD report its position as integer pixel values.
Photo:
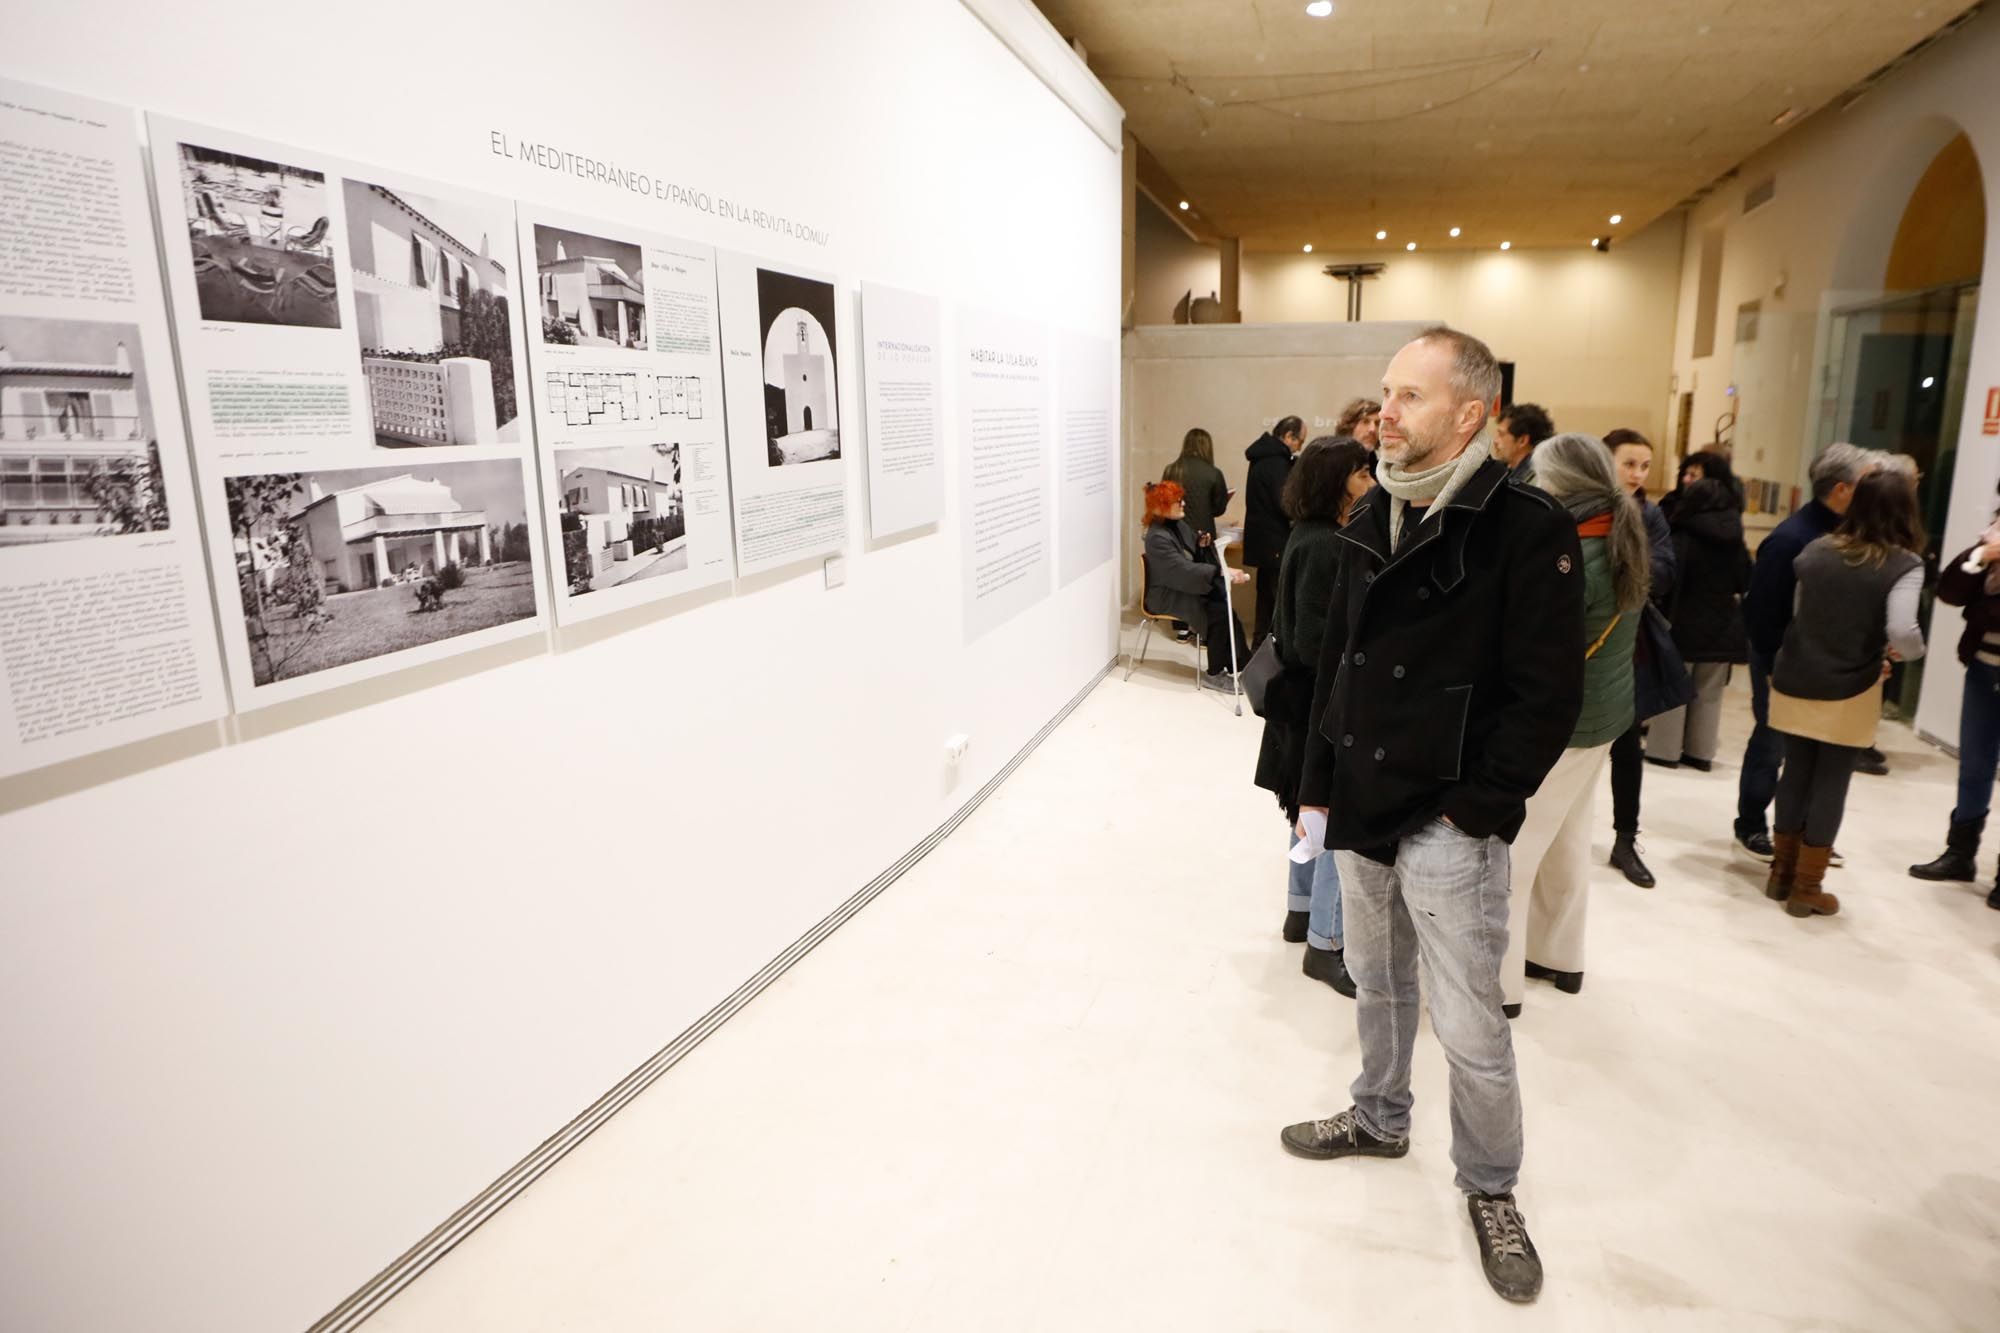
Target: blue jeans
(1762, 757)
(1978, 742)
(1315, 890)
(1443, 906)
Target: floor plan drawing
(619, 397)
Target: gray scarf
(1433, 486)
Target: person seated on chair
(1184, 580)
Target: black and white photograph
(623, 515)
(78, 457)
(343, 565)
(801, 407)
(258, 231)
(433, 305)
(592, 290)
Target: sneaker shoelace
(1503, 1225)
(1340, 1126)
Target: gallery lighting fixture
(1411, 246)
(1506, 245)
(1319, 9)
(1617, 218)
(1929, 380)
(1184, 205)
(1309, 249)
(1381, 235)
(1454, 231)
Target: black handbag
(1258, 673)
(1660, 679)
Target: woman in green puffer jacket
(1551, 857)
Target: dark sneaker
(1758, 845)
(1338, 1136)
(1512, 1267)
(1330, 966)
(1220, 681)
(1295, 927)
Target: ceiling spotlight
(1617, 218)
(1309, 249)
(1454, 231)
(1601, 243)
(1184, 205)
(1411, 246)
(1506, 245)
(1319, 9)
(1929, 380)
(1381, 235)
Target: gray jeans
(1444, 905)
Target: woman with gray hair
(1551, 857)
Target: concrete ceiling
(1531, 121)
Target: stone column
(437, 545)
(485, 545)
(382, 570)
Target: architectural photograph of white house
(346, 565)
(622, 515)
(592, 290)
(77, 454)
(801, 404)
(433, 306)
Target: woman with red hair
(1185, 581)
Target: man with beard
(1450, 678)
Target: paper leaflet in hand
(1314, 823)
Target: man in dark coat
(1265, 526)
(1450, 679)
(1767, 612)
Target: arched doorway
(1899, 358)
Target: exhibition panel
(781, 336)
(392, 929)
(105, 635)
(902, 352)
(350, 342)
(628, 409)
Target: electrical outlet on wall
(836, 571)
(955, 746)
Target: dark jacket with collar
(1713, 573)
(1179, 574)
(1451, 673)
(1955, 587)
(1305, 591)
(1265, 526)
(1767, 606)
(1663, 564)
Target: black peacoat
(1451, 674)
(1713, 574)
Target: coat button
(1380, 754)
(1423, 594)
(1361, 659)
(1397, 673)
(1368, 577)
(1348, 739)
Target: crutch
(1229, 605)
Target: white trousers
(1550, 894)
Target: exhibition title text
(530, 153)
(995, 357)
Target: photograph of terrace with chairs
(258, 230)
(77, 452)
(623, 517)
(433, 307)
(345, 565)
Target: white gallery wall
(271, 1009)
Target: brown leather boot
(1784, 865)
(1807, 899)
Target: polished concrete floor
(1037, 1085)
